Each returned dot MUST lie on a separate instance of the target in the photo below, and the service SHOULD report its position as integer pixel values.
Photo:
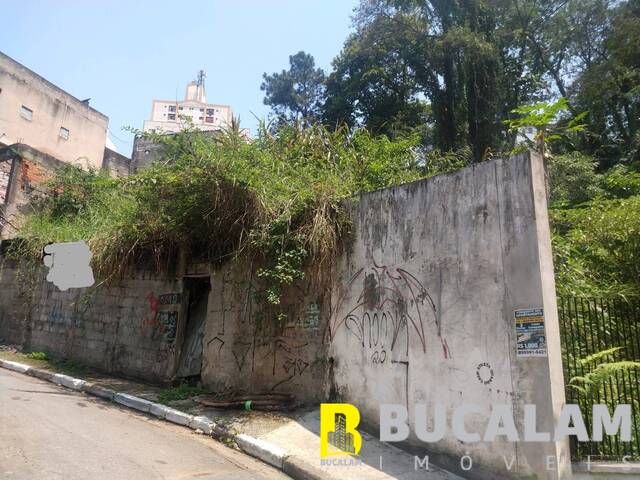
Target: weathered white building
(35, 112)
(171, 116)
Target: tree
(452, 66)
(455, 70)
(587, 50)
(296, 94)
(572, 178)
(373, 84)
(609, 88)
(548, 121)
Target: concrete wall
(115, 163)
(145, 152)
(119, 328)
(15, 301)
(249, 348)
(423, 307)
(606, 471)
(52, 109)
(5, 174)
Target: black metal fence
(598, 334)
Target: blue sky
(123, 54)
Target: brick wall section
(31, 168)
(115, 329)
(120, 329)
(14, 306)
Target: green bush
(181, 392)
(36, 355)
(437, 162)
(621, 182)
(597, 247)
(572, 178)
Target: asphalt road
(48, 432)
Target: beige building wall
(35, 112)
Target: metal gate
(600, 338)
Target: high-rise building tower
(172, 116)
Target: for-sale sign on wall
(531, 338)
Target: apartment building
(171, 116)
(35, 112)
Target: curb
(133, 402)
(297, 468)
(15, 366)
(69, 382)
(273, 455)
(41, 374)
(100, 392)
(266, 452)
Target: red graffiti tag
(152, 319)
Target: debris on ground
(268, 401)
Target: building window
(64, 133)
(26, 113)
(172, 116)
(209, 120)
(179, 108)
(202, 109)
(172, 108)
(209, 111)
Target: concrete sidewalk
(379, 460)
(289, 442)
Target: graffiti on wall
(259, 345)
(160, 323)
(308, 320)
(150, 319)
(56, 315)
(286, 358)
(169, 299)
(168, 322)
(391, 308)
(217, 343)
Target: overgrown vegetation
(454, 71)
(596, 226)
(36, 355)
(601, 368)
(274, 200)
(181, 392)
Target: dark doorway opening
(190, 365)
